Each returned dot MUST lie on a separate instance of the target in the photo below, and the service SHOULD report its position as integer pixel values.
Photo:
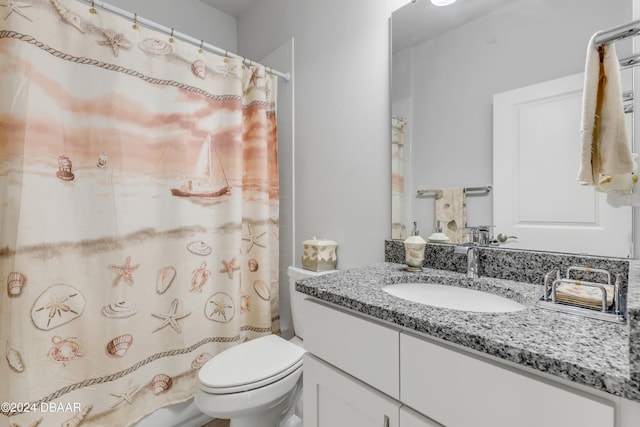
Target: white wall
(455, 76)
(342, 116)
(191, 17)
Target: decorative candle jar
(414, 247)
(319, 255)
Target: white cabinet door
(536, 152)
(409, 418)
(460, 390)
(335, 399)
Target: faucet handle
(473, 231)
(484, 234)
(481, 234)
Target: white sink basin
(452, 297)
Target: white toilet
(257, 383)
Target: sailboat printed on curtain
(202, 184)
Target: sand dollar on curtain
(139, 192)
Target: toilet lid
(250, 365)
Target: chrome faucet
(470, 249)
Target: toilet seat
(251, 365)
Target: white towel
(605, 150)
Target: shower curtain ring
(201, 50)
(171, 39)
(135, 21)
(93, 10)
(226, 56)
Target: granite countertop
(586, 351)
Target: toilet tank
(296, 298)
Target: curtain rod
(617, 33)
(179, 35)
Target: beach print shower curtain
(398, 228)
(139, 214)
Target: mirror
(447, 65)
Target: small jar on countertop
(414, 247)
(319, 254)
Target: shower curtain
(139, 218)
(398, 228)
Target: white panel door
(536, 152)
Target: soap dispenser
(438, 236)
(414, 247)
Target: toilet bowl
(258, 383)
(251, 383)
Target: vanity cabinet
(364, 349)
(410, 418)
(333, 398)
(362, 372)
(440, 381)
(352, 372)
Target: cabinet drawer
(460, 390)
(364, 349)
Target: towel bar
(485, 189)
(631, 29)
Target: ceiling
(233, 8)
(412, 23)
(420, 21)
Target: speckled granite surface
(586, 351)
(504, 263)
(633, 316)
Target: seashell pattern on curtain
(139, 194)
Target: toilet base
(286, 413)
(268, 418)
(271, 406)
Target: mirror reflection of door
(535, 162)
(451, 75)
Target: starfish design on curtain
(14, 6)
(127, 396)
(124, 272)
(171, 318)
(115, 41)
(252, 238)
(229, 267)
(227, 70)
(254, 77)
